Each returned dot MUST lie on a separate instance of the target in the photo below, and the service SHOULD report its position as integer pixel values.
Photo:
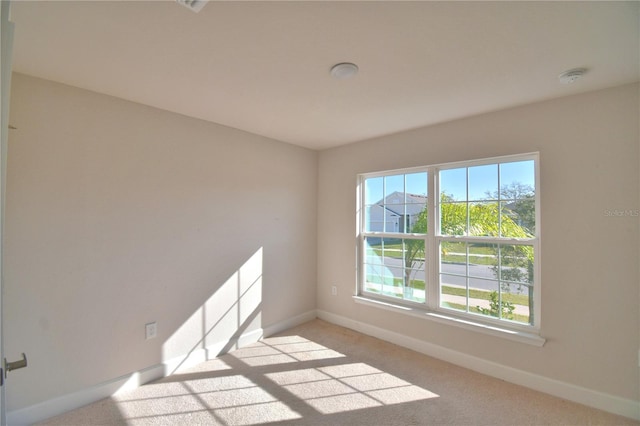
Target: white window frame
(431, 308)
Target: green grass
(394, 251)
(516, 299)
(516, 317)
(398, 282)
(473, 260)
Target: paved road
(481, 276)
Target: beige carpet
(321, 374)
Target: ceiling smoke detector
(194, 5)
(344, 70)
(571, 76)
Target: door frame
(6, 43)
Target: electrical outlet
(150, 330)
(334, 290)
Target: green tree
(520, 203)
(497, 308)
(414, 249)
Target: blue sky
(482, 179)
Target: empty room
(320, 212)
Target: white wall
(589, 150)
(120, 214)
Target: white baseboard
(595, 399)
(289, 323)
(62, 404)
(196, 356)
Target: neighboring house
(397, 212)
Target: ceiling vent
(194, 5)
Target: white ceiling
(263, 67)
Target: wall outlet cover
(150, 330)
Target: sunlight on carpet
(223, 396)
(347, 387)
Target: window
(461, 239)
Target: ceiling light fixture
(344, 70)
(571, 76)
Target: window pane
(453, 184)
(416, 199)
(373, 190)
(373, 265)
(453, 257)
(392, 218)
(415, 277)
(515, 174)
(453, 271)
(396, 203)
(453, 218)
(394, 185)
(394, 265)
(517, 192)
(483, 260)
(486, 298)
(373, 251)
(519, 217)
(484, 219)
(414, 253)
(393, 282)
(483, 182)
(416, 185)
(399, 220)
(367, 218)
(415, 291)
(414, 271)
(516, 263)
(417, 218)
(392, 252)
(373, 278)
(374, 218)
(453, 292)
(516, 300)
(453, 187)
(396, 268)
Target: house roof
(401, 203)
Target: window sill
(492, 330)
